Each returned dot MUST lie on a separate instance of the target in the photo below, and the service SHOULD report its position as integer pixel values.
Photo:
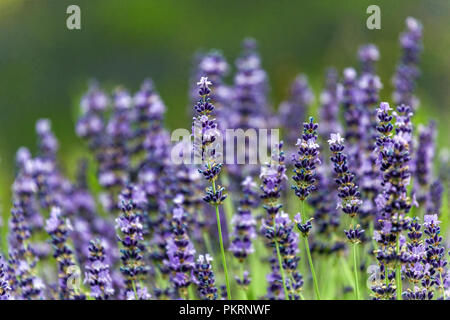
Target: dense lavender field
(352, 204)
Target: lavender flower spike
(349, 194)
(4, 283)
(59, 229)
(206, 134)
(97, 274)
(407, 69)
(205, 277)
(130, 234)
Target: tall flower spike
(305, 164)
(368, 55)
(205, 277)
(23, 257)
(244, 226)
(306, 160)
(5, 288)
(407, 69)
(350, 196)
(435, 261)
(244, 223)
(129, 228)
(330, 99)
(206, 141)
(282, 236)
(394, 203)
(272, 176)
(295, 108)
(424, 164)
(58, 228)
(180, 252)
(97, 272)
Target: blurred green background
(44, 67)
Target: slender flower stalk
(305, 164)
(206, 136)
(350, 197)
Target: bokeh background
(44, 67)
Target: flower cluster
(132, 219)
(130, 235)
(293, 111)
(98, 273)
(58, 228)
(205, 277)
(243, 222)
(180, 252)
(407, 69)
(306, 161)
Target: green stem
(134, 289)
(355, 266)
(308, 253)
(286, 294)
(222, 250)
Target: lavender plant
(163, 215)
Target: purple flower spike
(305, 161)
(205, 277)
(130, 234)
(407, 69)
(97, 272)
(244, 223)
(293, 111)
(59, 228)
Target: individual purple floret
(97, 272)
(407, 69)
(129, 229)
(205, 277)
(180, 253)
(58, 228)
(293, 111)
